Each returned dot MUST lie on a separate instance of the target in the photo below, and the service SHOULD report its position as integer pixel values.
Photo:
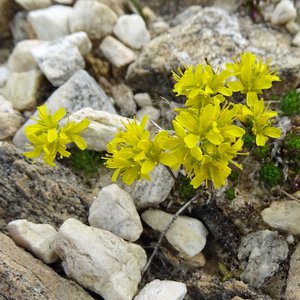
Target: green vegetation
(290, 103)
(184, 187)
(230, 193)
(270, 174)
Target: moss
(263, 152)
(234, 175)
(184, 187)
(270, 174)
(249, 140)
(290, 103)
(230, 193)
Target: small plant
(230, 193)
(292, 143)
(262, 153)
(270, 174)
(184, 187)
(290, 103)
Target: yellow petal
(191, 140)
(147, 166)
(272, 132)
(52, 135)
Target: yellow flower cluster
(48, 138)
(206, 137)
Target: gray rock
(36, 238)
(99, 260)
(114, 210)
(283, 215)
(96, 19)
(261, 253)
(284, 13)
(81, 41)
(132, 31)
(150, 193)
(187, 235)
(142, 99)
(102, 129)
(151, 111)
(4, 74)
(25, 277)
(58, 60)
(34, 4)
(116, 53)
(293, 280)
(50, 23)
(123, 97)
(81, 90)
(162, 290)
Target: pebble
(292, 27)
(4, 74)
(187, 235)
(284, 13)
(152, 112)
(92, 17)
(20, 27)
(58, 60)
(296, 40)
(261, 254)
(162, 290)
(293, 281)
(5, 105)
(36, 238)
(132, 31)
(116, 52)
(34, 4)
(158, 28)
(114, 210)
(81, 41)
(142, 99)
(283, 215)
(99, 260)
(50, 23)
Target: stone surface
(151, 111)
(284, 13)
(283, 215)
(116, 53)
(187, 235)
(58, 60)
(81, 90)
(11, 121)
(50, 23)
(132, 31)
(162, 290)
(22, 89)
(34, 4)
(21, 59)
(36, 238)
(24, 277)
(150, 193)
(99, 260)
(39, 193)
(4, 74)
(261, 253)
(158, 28)
(8, 9)
(118, 6)
(296, 40)
(142, 99)
(292, 27)
(102, 129)
(293, 280)
(114, 210)
(123, 97)
(96, 19)
(81, 41)
(20, 27)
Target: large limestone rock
(24, 277)
(293, 280)
(99, 260)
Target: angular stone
(187, 235)
(132, 31)
(116, 53)
(99, 260)
(81, 90)
(25, 277)
(151, 111)
(123, 97)
(261, 253)
(142, 99)
(34, 4)
(162, 290)
(102, 129)
(81, 41)
(96, 19)
(284, 13)
(114, 210)
(36, 238)
(22, 89)
(283, 215)
(58, 60)
(50, 23)
(293, 280)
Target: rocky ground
(109, 60)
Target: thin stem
(289, 195)
(171, 172)
(163, 233)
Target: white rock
(36, 238)
(296, 40)
(292, 27)
(20, 27)
(21, 89)
(151, 111)
(81, 41)
(96, 19)
(187, 235)
(99, 260)
(50, 23)
(117, 6)
(4, 74)
(283, 215)
(5, 105)
(102, 129)
(34, 4)
(58, 60)
(162, 290)
(81, 90)
(117, 53)
(66, 2)
(114, 210)
(150, 193)
(21, 59)
(158, 28)
(293, 281)
(132, 31)
(142, 99)
(284, 12)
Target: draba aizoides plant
(208, 131)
